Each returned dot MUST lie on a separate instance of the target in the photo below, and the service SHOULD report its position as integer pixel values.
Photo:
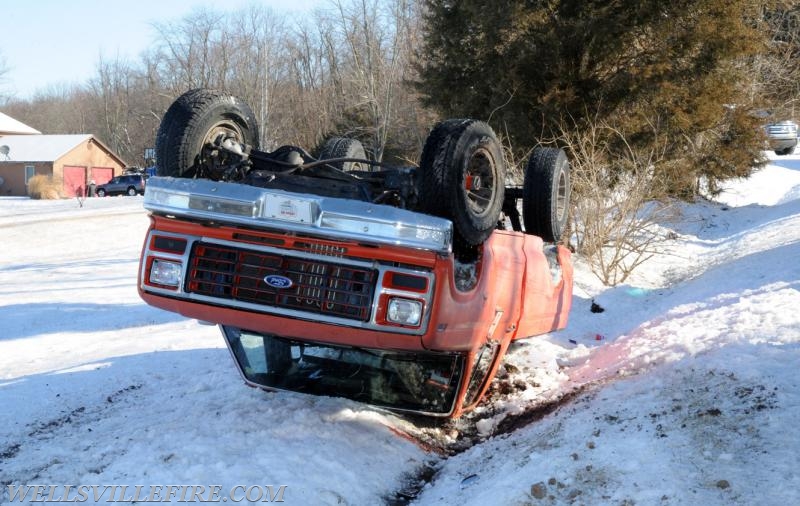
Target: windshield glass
(409, 381)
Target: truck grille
(317, 287)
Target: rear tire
(344, 147)
(131, 191)
(545, 194)
(462, 178)
(193, 121)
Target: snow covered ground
(689, 396)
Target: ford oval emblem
(278, 281)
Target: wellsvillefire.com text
(145, 493)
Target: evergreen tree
(536, 66)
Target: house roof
(39, 148)
(9, 125)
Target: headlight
(167, 273)
(404, 311)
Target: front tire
(101, 193)
(462, 178)
(545, 194)
(192, 123)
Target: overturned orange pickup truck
(337, 275)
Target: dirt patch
(49, 426)
(413, 485)
(119, 393)
(451, 437)
(10, 452)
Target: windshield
(408, 381)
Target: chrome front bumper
(262, 208)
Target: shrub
(42, 187)
(619, 196)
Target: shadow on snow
(186, 417)
(33, 319)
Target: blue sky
(52, 42)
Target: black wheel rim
(480, 182)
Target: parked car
(130, 184)
(782, 137)
(399, 287)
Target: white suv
(782, 137)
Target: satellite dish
(4, 150)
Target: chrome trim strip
(297, 212)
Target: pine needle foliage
(652, 69)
